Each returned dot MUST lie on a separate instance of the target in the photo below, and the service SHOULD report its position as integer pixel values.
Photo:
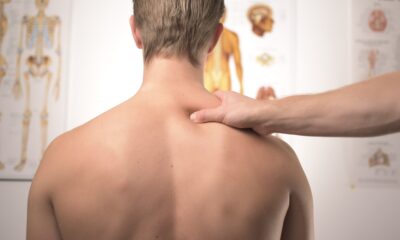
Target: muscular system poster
(256, 49)
(33, 39)
(375, 46)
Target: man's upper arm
(299, 220)
(42, 224)
(299, 223)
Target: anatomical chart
(376, 162)
(256, 49)
(375, 38)
(33, 82)
(375, 44)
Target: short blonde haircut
(177, 27)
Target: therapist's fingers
(208, 115)
(212, 114)
(220, 94)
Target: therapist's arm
(369, 108)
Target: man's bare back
(144, 171)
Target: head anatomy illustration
(378, 21)
(261, 18)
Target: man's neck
(172, 72)
(176, 81)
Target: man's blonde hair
(177, 27)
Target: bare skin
(143, 171)
(369, 108)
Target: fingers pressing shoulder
(215, 114)
(220, 94)
(208, 115)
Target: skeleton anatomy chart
(33, 90)
(256, 49)
(375, 45)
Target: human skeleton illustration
(217, 70)
(38, 36)
(3, 31)
(3, 62)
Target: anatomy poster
(375, 44)
(375, 38)
(376, 162)
(256, 49)
(33, 41)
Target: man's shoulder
(281, 153)
(266, 144)
(93, 138)
(74, 145)
(66, 148)
(70, 142)
(268, 151)
(269, 159)
(280, 146)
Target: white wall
(323, 63)
(104, 62)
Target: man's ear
(217, 35)
(136, 33)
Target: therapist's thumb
(207, 115)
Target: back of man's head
(177, 27)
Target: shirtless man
(144, 171)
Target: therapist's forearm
(370, 108)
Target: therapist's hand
(236, 111)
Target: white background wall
(105, 69)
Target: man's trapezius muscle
(217, 70)
(138, 174)
(38, 35)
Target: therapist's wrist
(267, 115)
